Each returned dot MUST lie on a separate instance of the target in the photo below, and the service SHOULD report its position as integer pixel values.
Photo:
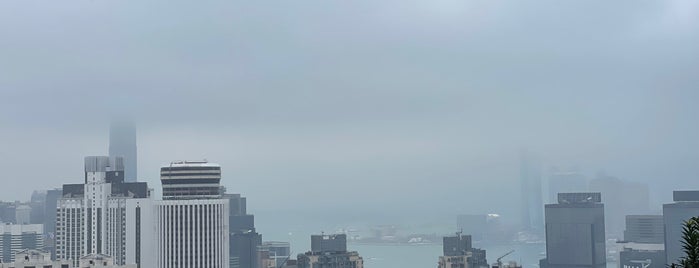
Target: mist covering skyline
(384, 107)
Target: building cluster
(112, 220)
(458, 252)
(576, 235)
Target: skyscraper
(244, 240)
(105, 215)
(575, 232)
(530, 179)
(686, 205)
(192, 219)
(122, 142)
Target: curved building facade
(192, 219)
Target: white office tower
(106, 215)
(192, 218)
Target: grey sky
(396, 102)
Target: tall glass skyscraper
(122, 143)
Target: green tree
(690, 244)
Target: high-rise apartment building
(329, 251)
(17, 237)
(686, 205)
(192, 219)
(530, 180)
(575, 236)
(122, 143)
(105, 215)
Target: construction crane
(499, 261)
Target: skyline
(385, 95)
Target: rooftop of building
(191, 163)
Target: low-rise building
(35, 258)
(101, 261)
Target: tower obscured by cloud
(530, 179)
(122, 143)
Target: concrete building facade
(575, 236)
(685, 206)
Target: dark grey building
(461, 245)
(456, 245)
(329, 243)
(530, 186)
(634, 258)
(244, 240)
(646, 229)
(686, 205)
(122, 142)
(243, 249)
(329, 251)
(575, 235)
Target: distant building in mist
(647, 229)
(17, 237)
(458, 252)
(686, 205)
(575, 234)
(192, 228)
(530, 186)
(642, 246)
(565, 181)
(621, 198)
(105, 215)
(122, 142)
(329, 251)
(474, 225)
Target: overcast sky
(389, 105)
